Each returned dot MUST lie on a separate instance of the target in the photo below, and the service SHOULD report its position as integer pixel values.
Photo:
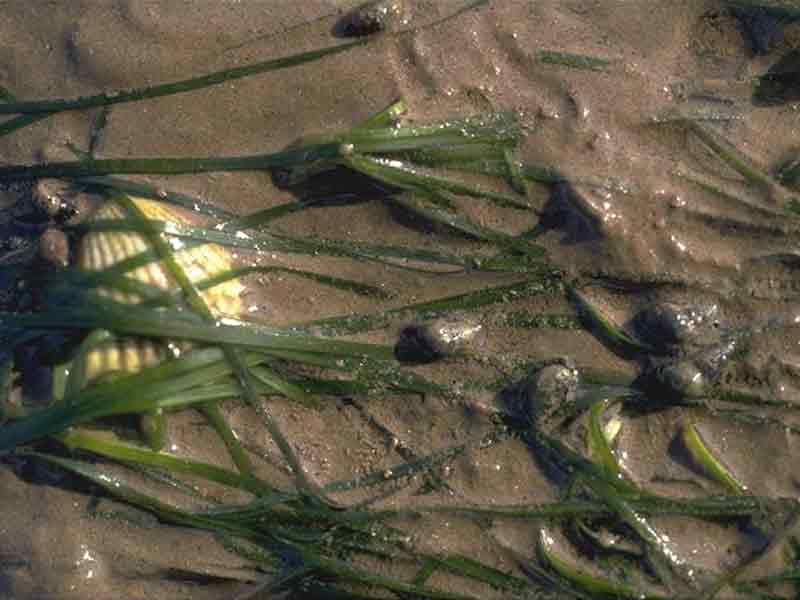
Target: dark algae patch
(486, 300)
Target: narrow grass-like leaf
(704, 458)
(529, 320)
(276, 383)
(574, 61)
(671, 569)
(461, 157)
(793, 206)
(272, 242)
(80, 154)
(238, 365)
(153, 427)
(145, 190)
(201, 395)
(472, 569)
(604, 329)
(547, 284)
(387, 117)
(787, 575)
(147, 390)
(77, 370)
(12, 125)
(134, 320)
(177, 87)
(715, 188)
(707, 114)
(334, 387)
(595, 585)
(426, 571)
(407, 470)
(616, 493)
(511, 261)
(788, 173)
(369, 374)
(728, 153)
(516, 177)
(340, 283)
(220, 425)
(491, 128)
(542, 174)
(111, 448)
(406, 176)
(462, 224)
(598, 443)
(168, 165)
(347, 572)
(155, 296)
(714, 507)
(263, 217)
(119, 488)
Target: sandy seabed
(631, 217)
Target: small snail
(439, 338)
(371, 17)
(546, 393)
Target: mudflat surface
(635, 216)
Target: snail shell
(100, 250)
(425, 343)
(684, 378)
(548, 391)
(372, 17)
(667, 325)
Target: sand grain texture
(628, 217)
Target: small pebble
(548, 391)
(421, 344)
(665, 325)
(552, 387)
(54, 247)
(51, 197)
(684, 378)
(372, 17)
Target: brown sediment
(628, 216)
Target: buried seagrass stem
(169, 166)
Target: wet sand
(630, 217)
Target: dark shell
(549, 390)
(54, 198)
(370, 18)
(666, 325)
(421, 344)
(683, 378)
(54, 247)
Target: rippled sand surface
(633, 217)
